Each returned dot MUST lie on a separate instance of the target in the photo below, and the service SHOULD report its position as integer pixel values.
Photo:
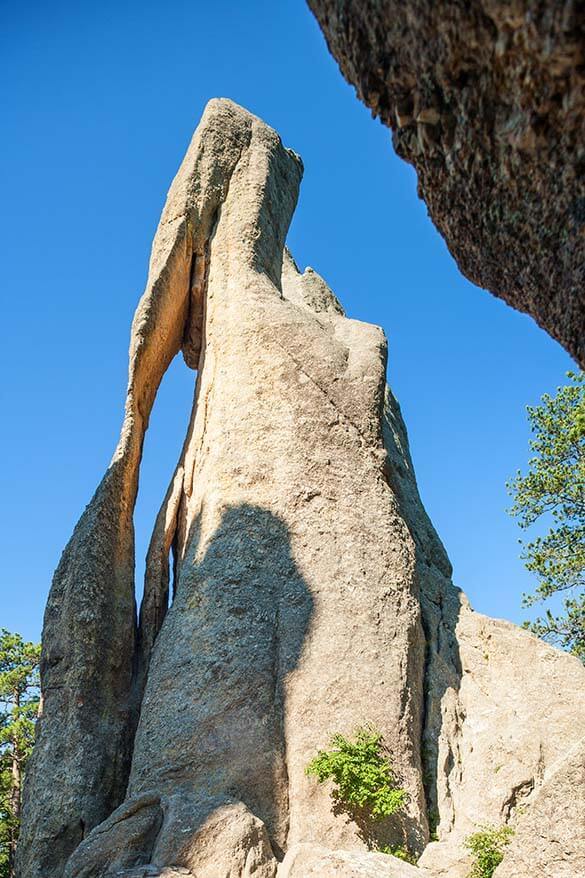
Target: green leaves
(19, 704)
(568, 628)
(488, 845)
(554, 487)
(362, 774)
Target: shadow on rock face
(441, 606)
(211, 727)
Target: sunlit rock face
(486, 100)
(294, 588)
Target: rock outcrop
(308, 592)
(316, 861)
(550, 839)
(487, 101)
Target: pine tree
(19, 705)
(554, 487)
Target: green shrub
(488, 847)
(362, 774)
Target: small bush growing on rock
(488, 847)
(362, 774)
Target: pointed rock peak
(307, 288)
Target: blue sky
(99, 103)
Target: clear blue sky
(99, 103)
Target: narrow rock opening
(162, 448)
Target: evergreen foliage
(19, 704)
(555, 487)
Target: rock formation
(550, 841)
(486, 99)
(307, 592)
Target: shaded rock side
(228, 842)
(487, 101)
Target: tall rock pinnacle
(307, 592)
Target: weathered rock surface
(502, 708)
(283, 565)
(517, 709)
(201, 838)
(85, 733)
(316, 861)
(487, 101)
(290, 566)
(308, 592)
(111, 849)
(550, 837)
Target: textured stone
(550, 835)
(229, 843)
(80, 765)
(315, 861)
(446, 859)
(124, 840)
(310, 593)
(502, 708)
(514, 713)
(288, 570)
(176, 835)
(487, 101)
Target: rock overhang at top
(487, 101)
